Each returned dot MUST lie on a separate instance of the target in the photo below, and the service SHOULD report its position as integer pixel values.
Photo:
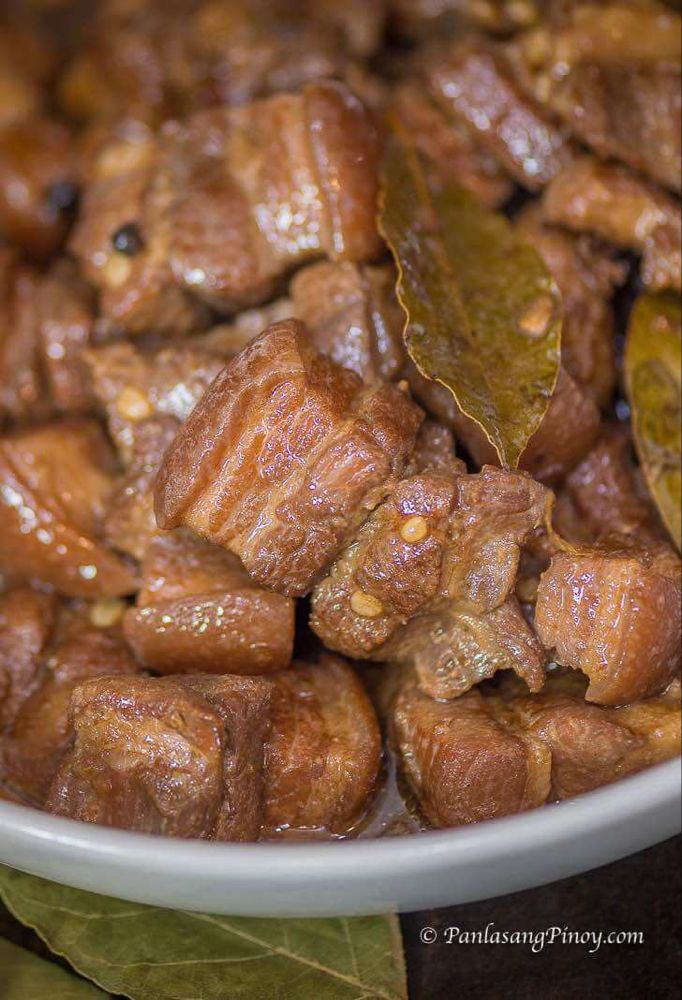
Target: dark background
(641, 893)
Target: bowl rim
(626, 800)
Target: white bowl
(411, 872)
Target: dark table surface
(639, 894)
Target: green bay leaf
(653, 374)
(24, 976)
(483, 311)
(148, 953)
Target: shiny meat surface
(353, 316)
(45, 322)
(392, 569)
(434, 450)
(591, 745)
(587, 276)
(129, 522)
(198, 612)
(122, 235)
(454, 150)
(472, 82)
(607, 492)
(610, 201)
(612, 73)
(284, 458)
(225, 204)
(427, 580)
(499, 750)
(323, 756)
(133, 385)
(221, 471)
(26, 620)
(462, 763)
(615, 615)
(38, 732)
(55, 482)
(628, 115)
(181, 757)
(453, 650)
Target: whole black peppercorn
(62, 197)
(128, 239)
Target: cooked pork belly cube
(45, 319)
(38, 734)
(244, 705)
(463, 764)
(56, 481)
(324, 752)
(614, 614)
(38, 184)
(434, 450)
(617, 205)
(592, 745)
(133, 385)
(612, 73)
(452, 651)
(151, 61)
(500, 750)
(284, 458)
(130, 523)
(587, 276)
(567, 431)
(26, 622)
(121, 237)
(175, 756)
(607, 494)
(353, 316)
(218, 209)
(198, 612)
(427, 581)
(390, 571)
(23, 392)
(453, 150)
(472, 81)
(626, 114)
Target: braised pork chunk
(211, 211)
(182, 757)
(463, 764)
(37, 721)
(427, 581)
(55, 483)
(39, 176)
(324, 751)
(304, 451)
(614, 613)
(198, 612)
(610, 201)
(499, 750)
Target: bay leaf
(653, 374)
(483, 312)
(148, 953)
(24, 976)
